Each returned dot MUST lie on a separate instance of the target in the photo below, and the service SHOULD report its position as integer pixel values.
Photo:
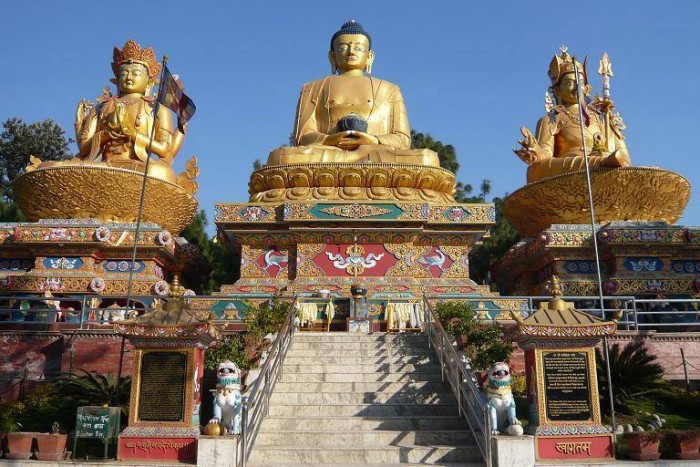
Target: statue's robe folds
(323, 102)
(559, 139)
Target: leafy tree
(220, 266)
(501, 237)
(446, 152)
(19, 140)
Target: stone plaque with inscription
(162, 387)
(567, 386)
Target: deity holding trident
(558, 146)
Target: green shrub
(231, 348)
(635, 375)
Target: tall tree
(502, 236)
(217, 265)
(19, 140)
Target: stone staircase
(357, 399)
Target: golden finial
(176, 289)
(605, 66)
(556, 303)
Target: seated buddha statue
(557, 147)
(116, 131)
(351, 116)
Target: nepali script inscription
(162, 387)
(567, 390)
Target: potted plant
(19, 445)
(51, 446)
(644, 445)
(684, 444)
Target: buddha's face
(351, 52)
(565, 90)
(132, 78)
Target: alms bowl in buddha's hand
(352, 122)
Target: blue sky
(472, 73)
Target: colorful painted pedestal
(638, 258)
(87, 257)
(397, 247)
(561, 379)
(166, 386)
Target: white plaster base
(513, 451)
(217, 451)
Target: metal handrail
(471, 402)
(638, 314)
(256, 405)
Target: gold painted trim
(186, 422)
(592, 387)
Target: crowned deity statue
(351, 116)
(558, 146)
(117, 130)
(119, 138)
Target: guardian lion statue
(501, 403)
(227, 398)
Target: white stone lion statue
(227, 397)
(501, 402)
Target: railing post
(244, 432)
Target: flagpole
(579, 99)
(137, 232)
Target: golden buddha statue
(352, 117)
(558, 148)
(117, 130)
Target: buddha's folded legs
(365, 153)
(560, 165)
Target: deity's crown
(132, 52)
(564, 63)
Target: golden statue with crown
(578, 131)
(351, 138)
(115, 138)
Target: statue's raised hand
(529, 150)
(83, 110)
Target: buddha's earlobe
(331, 59)
(370, 60)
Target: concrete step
(360, 377)
(337, 423)
(348, 337)
(379, 352)
(377, 386)
(365, 438)
(330, 345)
(383, 464)
(361, 455)
(364, 410)
(345, 359)
(406, 397)
(372, 368)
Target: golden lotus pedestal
(623, 194)
(104, 193)
(81, 233)
(641, 252)
(352, 182)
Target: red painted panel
(157, 448)
(574, 447)
(373, 260)
(273, 261)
